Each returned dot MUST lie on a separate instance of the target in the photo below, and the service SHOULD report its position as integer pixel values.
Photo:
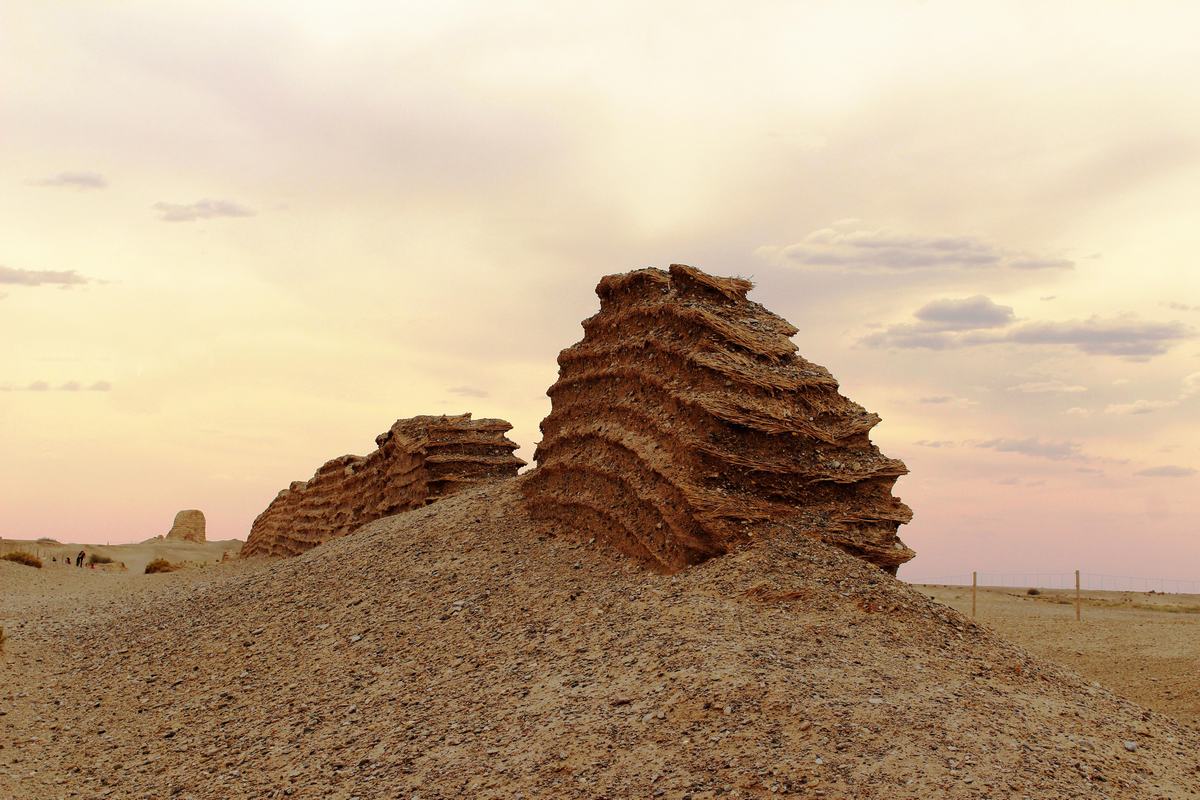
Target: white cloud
(842, 246)
(1035, 447)
(1139, 407)
(1168, 471)
(1131, 339)
(201, 209)
(74, 180)
(39, 277)
(1048, 387)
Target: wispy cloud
(946, 400)
(843, 246)
(467, 391)
(68, 386)
(74, 180)
(1048, 387)
(1139, 407)
(1127, 338)
(935, 443)
(1035, 447)
(201, 209)
(40, 277)
(975, 321)
(1168, 471)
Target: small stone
(1131, 746)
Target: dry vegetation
(22, 557)
(160, 565)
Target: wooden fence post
(974, 583)
(1077, 617)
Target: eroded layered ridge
(685, 416)
(419, 460)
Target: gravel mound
(463, 650)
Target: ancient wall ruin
(419, 460)
(685, 415)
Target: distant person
(79, 559)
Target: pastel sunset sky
(239, 239)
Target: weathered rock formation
(685, 415)
(188, 526)
(419, 460)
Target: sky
(239, 239)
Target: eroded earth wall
(685, 416)
(188, 526)
(418, 461)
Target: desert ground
(463, 650)
(1145, 647)
(125, 557)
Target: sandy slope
(460, 651)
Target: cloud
(1041, 263)
(934, 443)
(973, 321)
(467, 391)
(1174, 306)
(1127, 338)
(1035, 447)
(937, 399)
(1168, 471)
(1077, 411)
(201, 209)
(969, 313)
(841, 246)
(39, 277)
(1140, 407)
(67, 386)
(74, 180)
(1047, 387)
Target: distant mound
(685, 416)
(188, 526)
(418, 461)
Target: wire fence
(1089, 581)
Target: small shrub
(160, 565)
(96, 558)
(1034, 592)
(21, 557)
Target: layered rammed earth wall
(419, 460)
(685, 416)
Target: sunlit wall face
(239, 240)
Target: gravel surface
(461, 650)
